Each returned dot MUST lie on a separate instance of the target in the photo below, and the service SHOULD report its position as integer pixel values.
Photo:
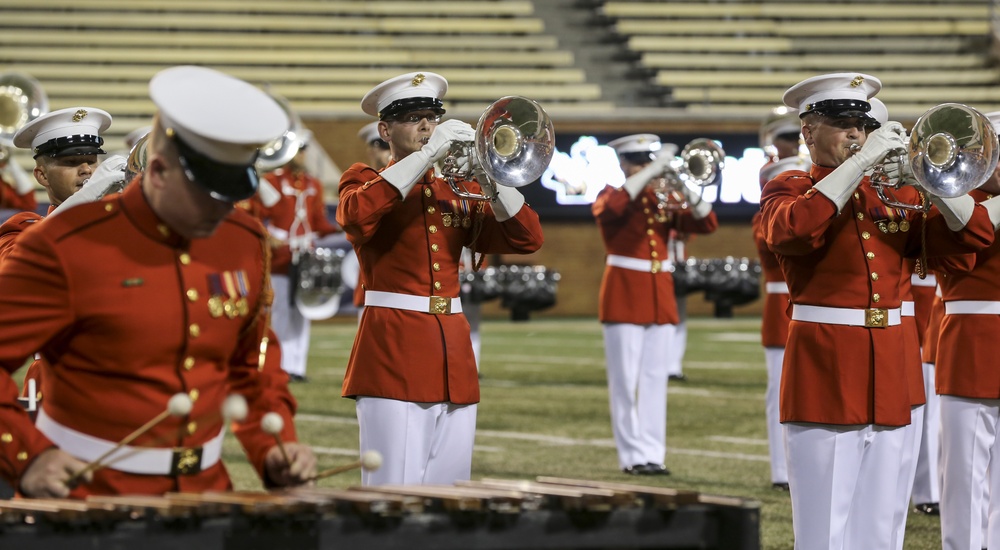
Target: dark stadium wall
(573, 246)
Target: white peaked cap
(412, 91)
(71, 131)
(636, 143)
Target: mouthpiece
(854, 147)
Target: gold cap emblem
(418, 79)
(858, 80)
(79, 115)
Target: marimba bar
(489, 514)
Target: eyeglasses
(413, 118)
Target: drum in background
(528, 288)
(480, 286)
(320, 283)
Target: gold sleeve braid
(266, 298)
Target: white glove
(696, 202)
(637, 181)
(508, 203)
(992, 208)
(406, 172)
(22, 183)
(269, 196)
(880, 143)
(840, 183)
(109, 174)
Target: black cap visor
(637, 158)
(71, 146)
(401, 106)
(224, 182)
(841, 108)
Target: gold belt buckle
(440, 305)
(654, 266)
(186, 461)
(876, 317)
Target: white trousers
(843, 485)
(637, 390)
(927, 482)
(675, 354)
(775, 431)
(969, 443)
(420, 443)
(907, 470)
(474, 314)
(291, 327)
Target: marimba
(548, 513)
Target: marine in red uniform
(65, 145)
(780, 137)
(295, 222)
(968, 384)
(17, 189)
(176, 305)
(845, 392)
(412, 368)
(637, 305)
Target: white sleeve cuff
(22, 183)
(404, 174)
(958, 211)
(839, 184)
(508, 203)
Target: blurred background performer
(844, 396)
(637, 305)
(17, 189)
(180, 293)
(969, 389)
(780, 137)
(911, 358)
(677, 255)
(294, 222)
(65, 145)
(412, 368)
(376, 147)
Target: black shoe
(657, 470)
(677, 378)
(637, 470)
(780, 486)
(927, 508)
(297, 378)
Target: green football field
(544, 411)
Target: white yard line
(542, 438)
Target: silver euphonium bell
(282, 150)
(514, 143)
(22, 99)
(952, 150)
(699, 165)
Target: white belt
(133, 460)
(906, 309)
(971, 307)
(778, 287)
(929, 280)
(871, 317)
(436, 305)
(637, 264)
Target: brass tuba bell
(22, 99)
(514, 143)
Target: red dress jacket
(637, 229)
(967, 347)
(836, 374)
(281, 215)
(414, 246)
(774, 318)
(120, 309)
(911, 338)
